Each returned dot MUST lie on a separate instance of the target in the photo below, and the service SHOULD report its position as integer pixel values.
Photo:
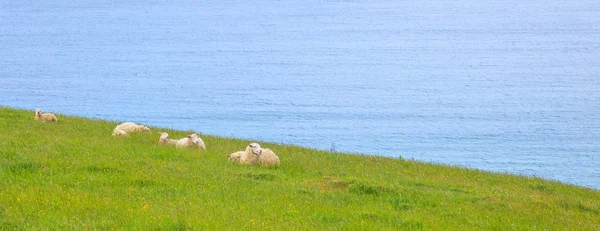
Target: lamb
(41, 116)
(191, 140)
(164, 139)
(235, 157)
(126, 128)
(254, 154)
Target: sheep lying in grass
(41, 116)
(126, 128)
(254, 154)
(120, 133)
(164, 139)
(191, 140)
(235, 157)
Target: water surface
(495, 85)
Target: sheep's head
(194, 138)
(256, 150)
(38, 112)
(164, 136)
(144, 128)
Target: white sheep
(41, 116)
(126, 128)
(120, 133)
(254, 154)
(268, 158)
(191, 140)
(235, 157)
(164, 139)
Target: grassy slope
(74, 175)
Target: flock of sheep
(253, 155)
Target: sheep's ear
(189, 136)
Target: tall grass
(74, 175)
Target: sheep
(120, 133)
(41, 116)
(164, 139)
(126, 128)
(191, 140)
(250, 155)
(235, 157)
(254, 154)
(268, 158)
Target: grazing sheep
(254, 154)
(126, 128)
(41, 116)
(235, 157)
(191, 140)
(164, 139)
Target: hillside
(74, 175)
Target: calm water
(510, 87)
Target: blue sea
(503, 86)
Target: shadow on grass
(579, 206)
(97, 169)
(400, 203)
(361, 188)
(143, 183)
(260, 176)
(26, 167)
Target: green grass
(74, 175)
